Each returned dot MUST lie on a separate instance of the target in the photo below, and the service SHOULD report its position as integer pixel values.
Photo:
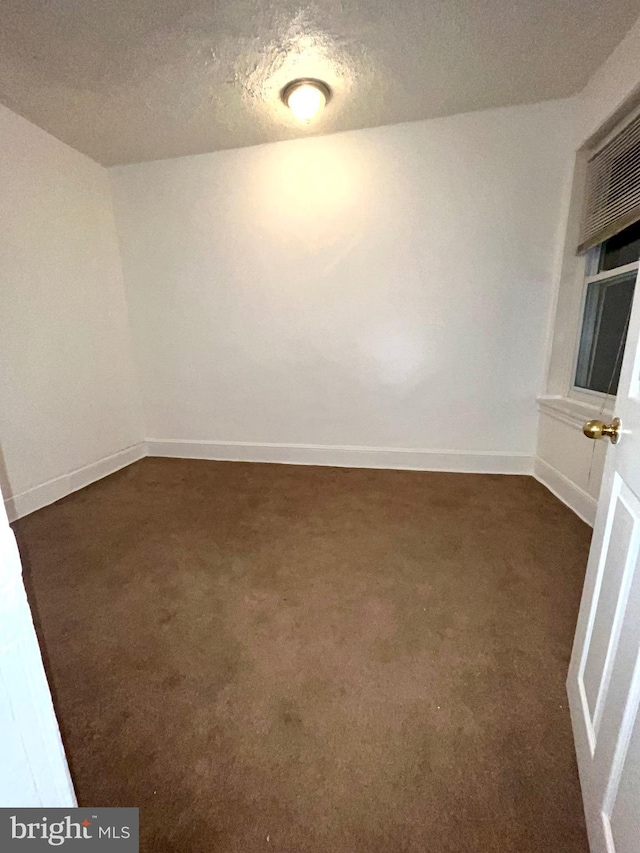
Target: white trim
(474, 462)
(51, 491)
(595, 398)
(572, 411)
(394, 458)
(583, 504)
(573, 323)
(616, 272)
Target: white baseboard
(583, 504)
(473, 462)
(51, 491)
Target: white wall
(615, 83)
(68, 398)
(566, 461)
(383, 288)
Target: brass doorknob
(598, 429)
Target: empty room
(320, 426)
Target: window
(612, 268)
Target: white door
(604, 676)
(33, 767)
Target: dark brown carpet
(315, 660)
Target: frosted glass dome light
(306, 98)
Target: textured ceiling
(132, 80)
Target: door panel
(33, 767)
(620, 815)
(604, 676)
(602, 642)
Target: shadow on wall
(5, 484)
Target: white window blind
(612, 201)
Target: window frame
(558, 393)
(590, 275)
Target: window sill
(571, 411)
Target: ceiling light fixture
(306, 98)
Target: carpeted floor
(315, 660)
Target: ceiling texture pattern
(132, 80)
